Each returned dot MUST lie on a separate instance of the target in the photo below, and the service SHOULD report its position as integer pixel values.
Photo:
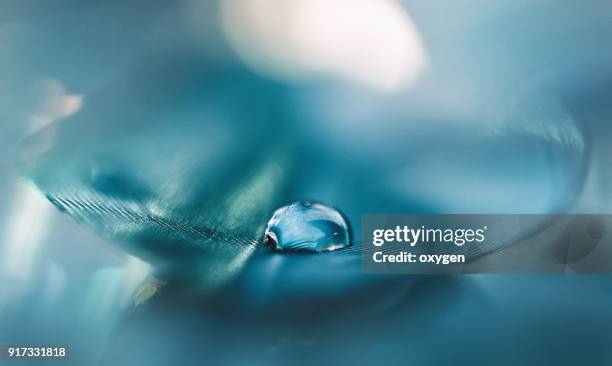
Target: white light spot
(27, 225)
(372, 42)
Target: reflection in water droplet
(308, 226)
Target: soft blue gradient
(180, 154)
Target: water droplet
(308, 226)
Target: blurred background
(145, 145)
